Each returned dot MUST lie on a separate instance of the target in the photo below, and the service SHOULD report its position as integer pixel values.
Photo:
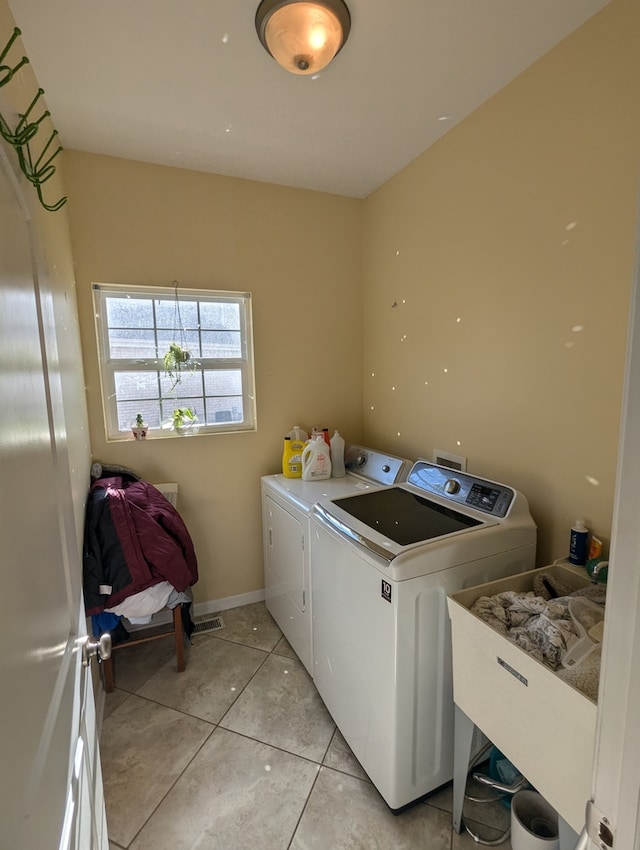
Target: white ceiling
(186, 82)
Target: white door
(51, 786)
(617, 761)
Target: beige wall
(520, 223)
(299, 253)
(56, 285)
(496, 244)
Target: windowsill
(157, 434)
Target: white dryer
(384, 562)
(286, 507)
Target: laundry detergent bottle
(337, 456)
(316, 460)
(292, 458)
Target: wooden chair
(170, 492)
(176, 632)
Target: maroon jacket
(134, 538)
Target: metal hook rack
(37, 170)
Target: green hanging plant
(176, 360)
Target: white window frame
(110, 366)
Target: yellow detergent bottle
(292, 458)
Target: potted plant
(140, 428)
(176, 359)
(184, 421)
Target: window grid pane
(134, 333)
(137, 392)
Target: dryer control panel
(375, 466)
(463, 489)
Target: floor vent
(212, 624)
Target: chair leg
(179, 637)
(108, 675)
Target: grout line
(246, 684)
(331, 740)
(275, 747)
(173, 784)
(319, 764)
(304, 808)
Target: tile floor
(239, 753)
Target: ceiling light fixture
(303, 36)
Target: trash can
(534, 822)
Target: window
(135, 327)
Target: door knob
(101, 648)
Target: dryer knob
(386, 468)
(452, 486)
(360, 460)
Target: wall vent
(210, 624)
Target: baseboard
(216, 605)
(213, 606)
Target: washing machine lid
(403, 516)
(415, 522)
(434, 504)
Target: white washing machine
(384, 562)
(286, 507)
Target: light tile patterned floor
(239, 753)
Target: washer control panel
(463, 489)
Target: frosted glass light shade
(303, 36)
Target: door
(617, 762)
(286, 574)
(50, 791)
(285, 559)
